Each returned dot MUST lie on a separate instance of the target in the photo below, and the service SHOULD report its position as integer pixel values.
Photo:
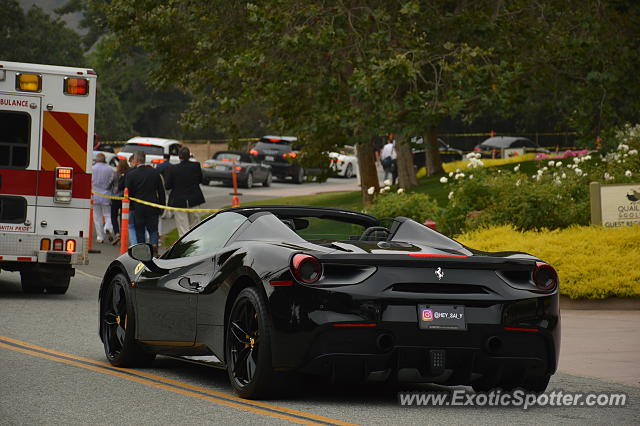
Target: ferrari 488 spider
(271, 293)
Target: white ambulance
(46, 141)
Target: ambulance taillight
(63, 185)
(76, 86)
(28, 82)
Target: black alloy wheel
(248, 348)
(117, 325)
(299, 176)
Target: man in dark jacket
(184, 180)
(145, 184)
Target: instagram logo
(427, 315)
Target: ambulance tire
(30, 282)
(61, 285)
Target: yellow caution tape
(159, 206)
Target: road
(53, 370)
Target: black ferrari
(270, 293)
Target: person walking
(144, 183)
(184, 179)
(101, 178)
(117, 189)
(388, 158)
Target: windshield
(322, 228)
(148, 149)
(273, 146)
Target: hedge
(592, 262)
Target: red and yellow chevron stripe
(64, 140)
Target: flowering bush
(556, 196)
(418, 207)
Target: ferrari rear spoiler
(423, 260)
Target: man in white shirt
(388, 158)
(101, 182)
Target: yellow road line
(170, 385)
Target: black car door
(166, 301)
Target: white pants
(185, 221)
(102, 220)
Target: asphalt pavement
(53, 369)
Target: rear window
(148, 149)
(273, 146)
(317, 228)
(15, 137)
(230, 156)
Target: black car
(281, 154)
(447, 152)
(248, 170)
(494, 146)
(272, 292)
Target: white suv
(155, 148)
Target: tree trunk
(367, 171)
(406, 172)
(433, 161)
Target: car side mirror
(142, 252)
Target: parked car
(344, 163)
(268, 293)
(493, 147)
(447, 153)
(110, 157)
(279, 152)
(248, 170)
(155, 148)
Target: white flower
(557, 181)
(544, 169)
(450, 195)
(444, 179)
(371, 190)
(586, 157)
(470, 176)
(450, 174)
(459, 175)
(576, 160)
(578, 171)
(518, 182)
(540, 172)
(400, 190)
(628, 173)
(564, 176)
(516, 168)
(551, 163)
(458, 170)
(384, 189)
(387, 182)
(633, 152)
(558, 164)
(623, 147)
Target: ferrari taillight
(545, 277)
(306, 268)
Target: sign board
(512, 152)
(615, 205)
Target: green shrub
(556, 196)
(418, 207)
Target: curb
(610, 304)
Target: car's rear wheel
(299, 176)
(537, 384)
(267, 180)
(206, 182)
(348, 173)
(248, 348)
(248, 183)
(117, 327)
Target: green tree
(36, 37)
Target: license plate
(221, 168)
(441, 317)
(268, 157)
